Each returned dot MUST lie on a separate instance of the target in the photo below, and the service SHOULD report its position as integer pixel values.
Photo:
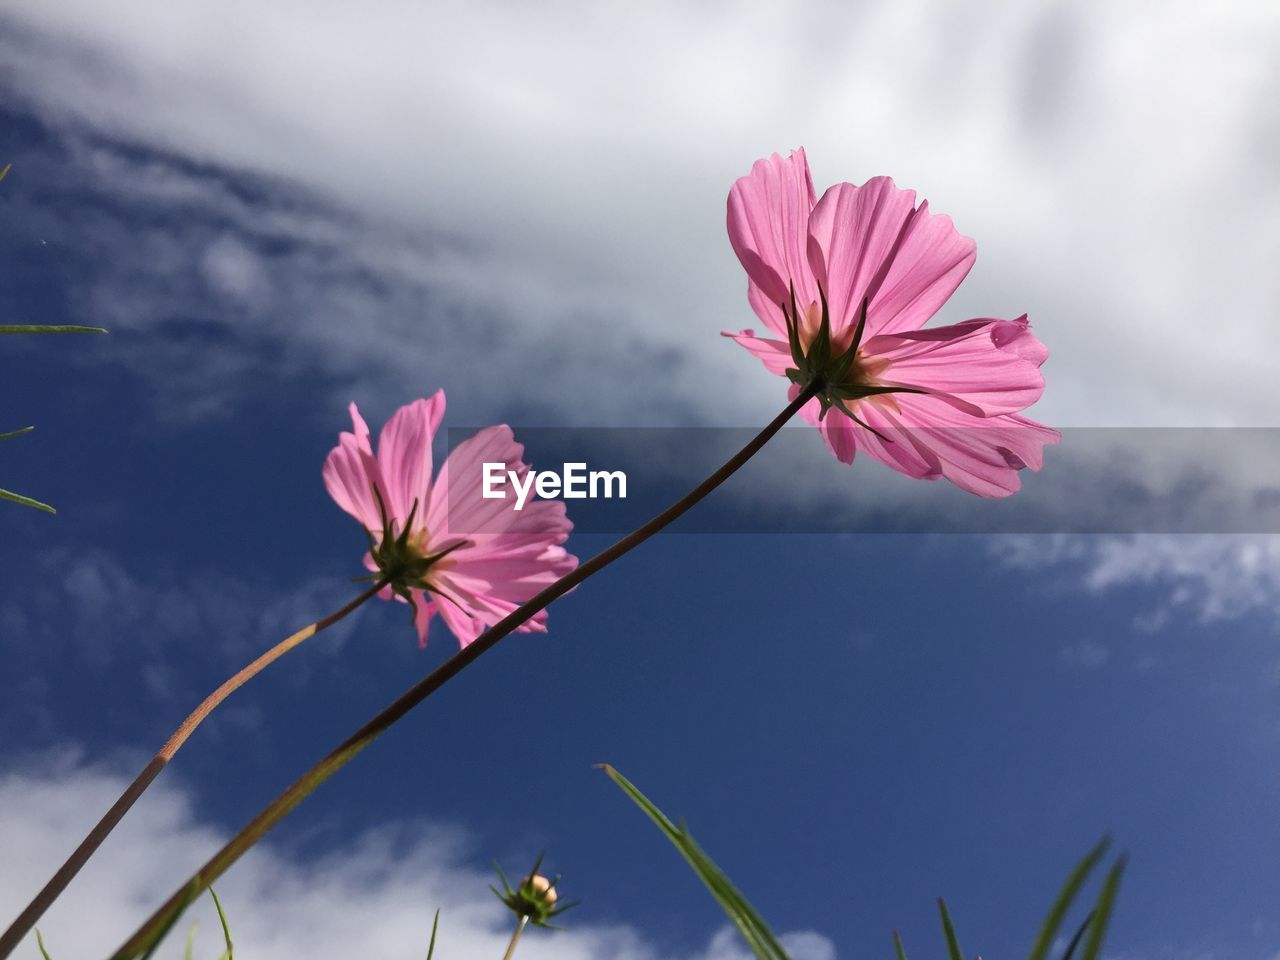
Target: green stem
(150, 932)
(36, 908)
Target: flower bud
(538, 887)
(535, 899)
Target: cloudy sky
(278, 208)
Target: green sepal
(822, 366)
(525, 901)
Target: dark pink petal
(984, 367)
(768, 220)
(350, 473)
(774, 354)
(871, 241)
(895, 448)
(471, 615)
(424, 610)
(838, 432)
(460, 621)
(977, 454)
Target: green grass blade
(7, 166)
(431, 947)
(39, 939)
(15, 433)
(1102, 911)
(1066, 896)
(48, 328)
(191, 943)
(25, 501)
(1077, 937)
(230, 952)
(750, 924)
(897, 946)
(953, 945)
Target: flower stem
(515, 938)
(27, 919)
(154, 929)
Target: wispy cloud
(90, 607)
(1210, 578)
(547, 184)
(373, 896)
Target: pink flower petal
(980, 455)
(404, 455)
(895, 448)
(984, 367)
(768, 217)
(425, 609)
(350, 472)
(871, 241)
(457, 503)
(497, 557)
(774, 354)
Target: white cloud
(1118, 170)
(1210, 577)
(372, 897)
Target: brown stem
(36, 908)
(159, 923)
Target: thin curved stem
(151, 931)
(515, 938)
(27, 919)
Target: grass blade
(1077, 937)
(230, 952)
(39, 939)
(15, 433)
(431, 947)
(953, 945)
(48, 328)
(1102, 911)
(25, 501)
(1070, 888)
(750, 924)
(897, 946)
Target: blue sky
(330, 209)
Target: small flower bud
(535, 899)
(538, 887)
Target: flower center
(833, 361)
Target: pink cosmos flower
(847, 282)
(447, 549)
